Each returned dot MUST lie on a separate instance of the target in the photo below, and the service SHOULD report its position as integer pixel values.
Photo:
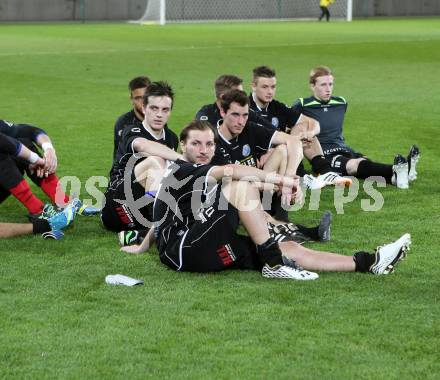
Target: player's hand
(297, 194)
(51, 161)
(307, 136)
(38, 167)
(286, 194)
(134, 249)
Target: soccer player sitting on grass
(48, 228)
(12, 169)
(330, 111)
(243, 142)
(288, 120)
(199, 206)
(211, 112)
(138, 141)
(137, 87)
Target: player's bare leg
(277, 161)
(353, 165)
(312, 149)
(149, 172)
(315, 260)
(245, 197)
(15, 229)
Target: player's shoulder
(167, 129)
(182, 169)
(6, 124)
(132, 129)
(170, 133)
(276, 104)
(253, 129)
(308, 101)
(207, 110)
(338, 100)
(126, 118)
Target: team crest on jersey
(275, 122)
(246, 150)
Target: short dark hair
(233, 96)
(138, 82)
(225, 83)
(263, 72)
(196, 125)
(317, 72)
(159, 89)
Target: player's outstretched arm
(151, 148)
(288, 186)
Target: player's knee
(281, 152)
(353, 165)
(148, 167)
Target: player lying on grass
(199, 206)
(330, 111)
(283, 118)
(12, 169)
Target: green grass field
(58, 319)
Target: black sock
(363, 261)
(301, 171)
(277, 211)
(368, 168)
(40, 226)
(320, 165)
(311, 232)
(270, 253)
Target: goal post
(170, 11)
(154, 13)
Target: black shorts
(208, 246)
(338, 157)
(12, 170)
(117, 216)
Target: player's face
(235, 119)
(264, 89)
(323, 87)
(199, 147)
(136, 98)
(157, 111)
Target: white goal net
(165, 11)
